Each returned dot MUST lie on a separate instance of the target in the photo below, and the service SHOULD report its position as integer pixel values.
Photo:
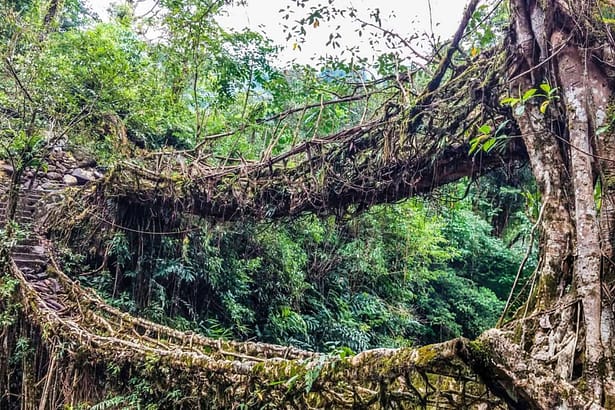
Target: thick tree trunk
(578, 77)
(572, 329)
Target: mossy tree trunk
(568, 321)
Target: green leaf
(543, 106)
(602, 130)
(488, 144)
(474, 145)
(546, 88)
(501, 127)
(510, 101)
(529, 94)
(485, 129)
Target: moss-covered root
(523, 382)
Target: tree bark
(552, 44)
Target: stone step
(34, 195)
(22, 218)
(29, 203)
(21, 209)
(34, 249)
(27, 258)
(37, 194)
(30, 266)
(36, 276)
(26, 211)
(20, 205)
(48, 287)
(29, 242)
(25, 200)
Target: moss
(480, 354)
(581, 385)
(426, 355)
(279, 372)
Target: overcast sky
(411, 16)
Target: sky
(411, 16)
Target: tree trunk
(569, 323)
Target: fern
(111, 403)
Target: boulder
(48, 186)
(69, 180)
(83, 175)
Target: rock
(69, 180)
(54, 175)
(51, 168)
(68, 159)
(83, 175)
(6, 168)
(37, 249)
(49, 185)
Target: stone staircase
(29, 253)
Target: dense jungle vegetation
(420, 271)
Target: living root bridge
(82, 333)
(330, 184)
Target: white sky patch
(440, 17)
(402, 17)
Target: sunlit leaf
(602, 130)
(485, 129)
(545, 87)
(509, 101)
(488, 144)
(543, 106)
(529, 94)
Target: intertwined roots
(83, 328)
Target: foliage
(414, 272)
(10, 309)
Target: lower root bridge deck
(81, 331)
